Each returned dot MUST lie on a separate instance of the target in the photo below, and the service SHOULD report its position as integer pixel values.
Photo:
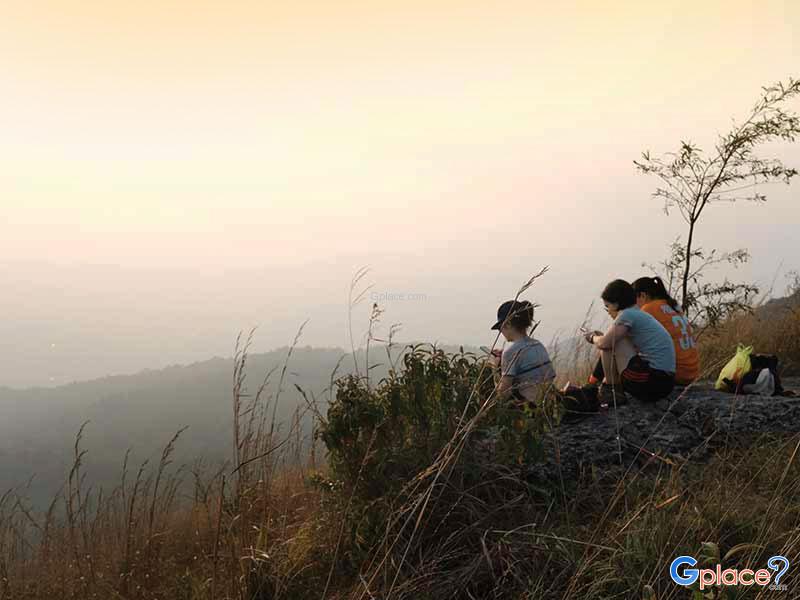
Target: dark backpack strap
(534, 367)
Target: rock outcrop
(686, 425)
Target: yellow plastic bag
(737, 367)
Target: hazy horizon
(175, 173)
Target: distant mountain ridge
(779, 305)
(142, 411)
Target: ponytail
(655, 288)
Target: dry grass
(769, 330)
(270, 526)
(607, 541)
(173, 532)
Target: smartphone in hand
(588, 334)
(496, 353)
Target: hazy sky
(172, 172)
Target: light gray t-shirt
(526, 361)
(650, 338)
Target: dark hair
(654, 287)
(620, 292)
(522, 316)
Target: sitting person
(636, 353)
(524, 363)
(654, 299)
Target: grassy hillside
(142, 412)
(408, 506)
(772, 328)
(421, 488)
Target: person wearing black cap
(524, 363)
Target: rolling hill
(142, 412)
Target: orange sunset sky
(172, 172)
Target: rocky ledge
(686, 425)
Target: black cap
(512, 306)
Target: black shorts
(644, 383)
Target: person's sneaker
(611, 396)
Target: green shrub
(378, 438)
(385, 447)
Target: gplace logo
(683, 572)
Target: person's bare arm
(504, 382)
(616, 332)
(504, 386)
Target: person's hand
(494, 359)
(591, 335)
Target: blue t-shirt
(650, 338)
(526, 361)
